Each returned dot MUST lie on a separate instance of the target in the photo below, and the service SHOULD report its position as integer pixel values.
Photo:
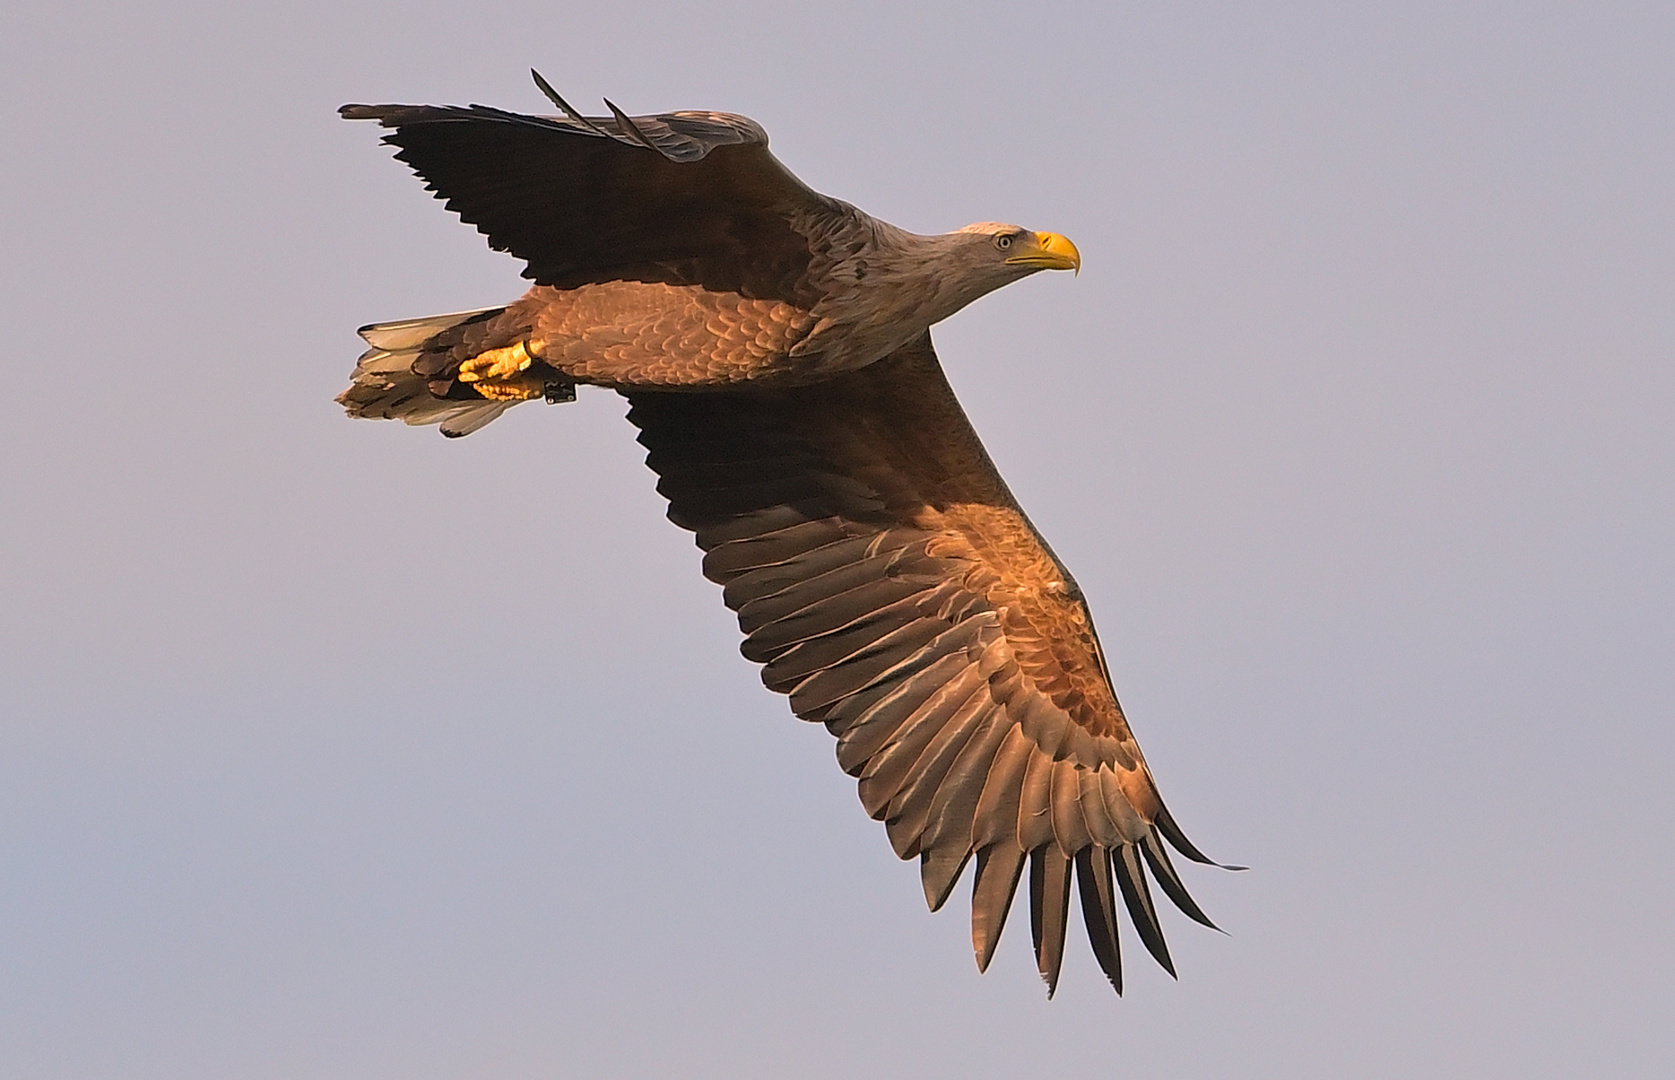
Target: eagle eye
(1003, 242)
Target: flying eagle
(774, 347)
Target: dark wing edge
(679, 136)
(682, 197)
(839, 519)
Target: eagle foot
(503, 374)
(496, 364)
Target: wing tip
(1131, 879)
(1177, 838)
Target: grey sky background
(322, 754)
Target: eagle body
(626, 333)
(774, 346)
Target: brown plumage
(774, 347)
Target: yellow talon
(496, 363)
(517, 389)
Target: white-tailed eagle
(774, 346)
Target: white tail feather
(473, 416)
(385, 387)
(413, 333)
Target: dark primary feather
(1099, 910)
(887, 582)
(1049, 906)
(1132, 879)
(682, 198)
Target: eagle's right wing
(887, 581)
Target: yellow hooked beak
(1050, 252)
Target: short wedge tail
(446, 370)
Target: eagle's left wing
(680, 198)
